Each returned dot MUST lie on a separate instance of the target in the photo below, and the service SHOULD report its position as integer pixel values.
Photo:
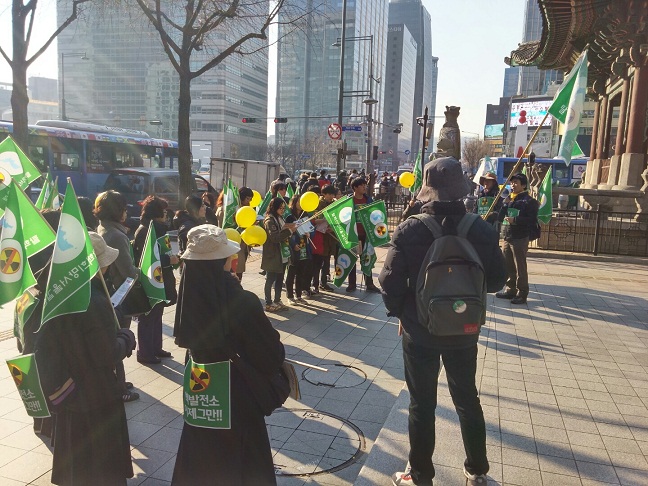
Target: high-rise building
(115, 72)
(308, 75)
(511, 81)
(534, 81)
(400, 86)
(417, 19)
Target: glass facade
(511, 79)
(128, 81)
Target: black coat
(183, 222)
(527, 216)
(410, 242)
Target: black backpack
(451, 285)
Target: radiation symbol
(338, 271)
(366, 258)
(16, 374)
(22, 303)
(157, 274)
(380, 230)
(9, 261)
(199, 380)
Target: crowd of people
(216, 319)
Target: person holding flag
(145, 249)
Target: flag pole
(105, 287)
(515, 167)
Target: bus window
(99, 157)
(66, 154)
(508, 167)
(131, 186)
(561, 171)
(38, 152)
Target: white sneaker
(475, 479)
(403, 478)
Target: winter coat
(310, 184)
(115, 236)
(330, 244)
(183, 222)
(271, 260)
(527, 216)
(410, 242)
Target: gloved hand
(127, 337)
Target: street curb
(564, 255)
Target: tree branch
(167, 43)
(219, 16)
(6, 58)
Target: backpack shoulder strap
(466, 223)
(431, 223)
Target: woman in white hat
(215, 319)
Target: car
(136, 183)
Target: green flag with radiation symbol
(341, 218)
(567, 107)
(230, 204)
(206, 394)
(374, 219)
(15, 274)
(344, 264)
(151, 269)
(37, 232)
(545, 196)
(14, 166)
(418, 175)
(73, 263)
(24, 371)
(368, 259)
(25, 307)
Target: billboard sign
(530, 112)
(494, 131)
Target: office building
(418, 21)
(496, 124)
(308, 75)
(511, 81)
(400, 86)
(115, 72)
(533, 81)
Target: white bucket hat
(105, 254)
(208, 242)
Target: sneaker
(475, 479)
(292, 300)
(305, 296)
(280, 306)
(403, 478)
(506, 294)
(301, 301)
(314, 291)
(326, 288)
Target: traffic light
(281, 120)
(249, 120)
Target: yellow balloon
(254, 236)
(233, 235)
(245, 216)
(406, 179)
(256, 199)
(309, 201)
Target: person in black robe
(77, 354)
(215, 319)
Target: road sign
(334, 131)
(352, 128)
(305, 156)
(407, 152)
(391, 152)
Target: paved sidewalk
(564, 383)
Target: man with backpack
(519, 218)
(438, 269)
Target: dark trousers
(321, 269)
(149, 332)
(124, 323)
(352, 275)
(299, 277)
(275, 280)
(422, 367)
(515, 255)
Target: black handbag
(136, 302)
(269, 393)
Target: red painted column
(620, 144)
(638, 106)
(595, 130)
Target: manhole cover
(307, 442)
(342, 376)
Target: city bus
(561, 174)
(86, 152)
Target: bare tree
(188, 26)
(22, 20)
(473, 151)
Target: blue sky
(470, 38)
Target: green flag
(341, 218)
(37, 232)
(25, 307)
(263, 207)
(289, 191)
(418, 175)
(567, 106)
(24, 371)
(15, 274)
(368, 259)
(344, 264)
(545, 198)
(46, 190)
(151, 269)
(73, 263)
(206, 394)
(230, 203)
(374, 219)
(53, 201)
(14, 165)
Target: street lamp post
(63, 56)
(339, 165)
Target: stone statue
(449, 144)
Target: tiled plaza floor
(563, 381)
